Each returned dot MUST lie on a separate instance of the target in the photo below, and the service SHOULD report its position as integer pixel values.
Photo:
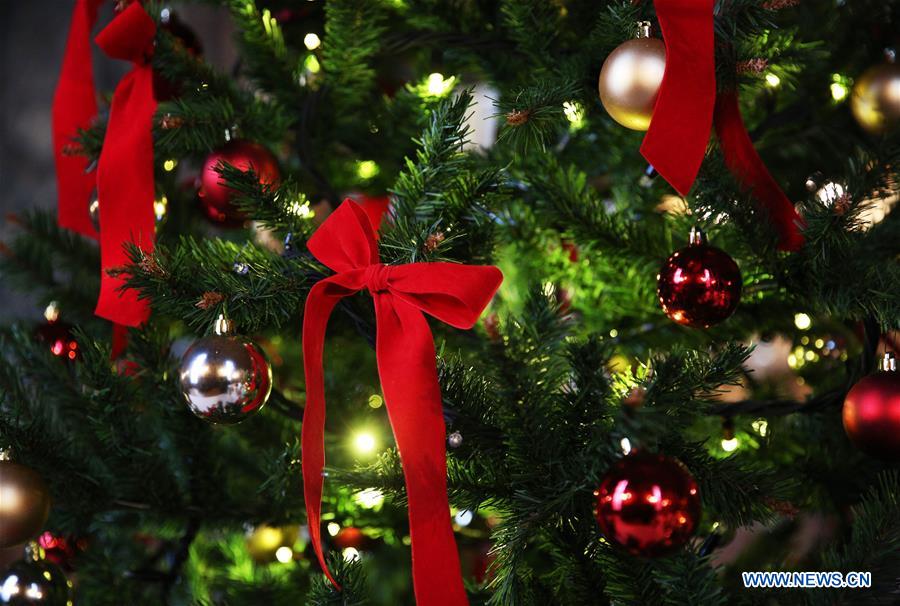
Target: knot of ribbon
(686, 109)
(377, 276)
(74, 108)
(404, 349)
(125, 182)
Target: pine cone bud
(210, 299)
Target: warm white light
(829, 193)
(169, 165)
(802, 321)
(350, 554)
(760, 426)
(51, 312)
(437, 85)
(464, 517)
(772, 80)
(369, 498)
(364, 443)
(333, 528)
(311, 41)
(284, 554)
(730, 445)
(626, 445)
(375, 401)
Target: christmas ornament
(349, 537)
(453, 293)
(33, 580)
(699, 285)
(57, 334)
(225, 378)
(216, 197)
(876, 98)
(455, 440)
(648, 504)
(872, 412)
(630, 79)
(24, 503)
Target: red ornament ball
(648, 504)
(349, 537)
(872, 412)
(57, 336)
(215, 197)
(699, 285)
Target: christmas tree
(600, 298)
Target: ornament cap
(888, 363)
(697, 237)
(223, 326)
(643, 29)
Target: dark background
(33, 35)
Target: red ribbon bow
(404, 349)
(686, 108)
(74, 107)
(125, 171)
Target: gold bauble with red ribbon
(876, 98)
(630, 79)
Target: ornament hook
(697, 237)
(888, 363)
(643, 29)
(223, 326)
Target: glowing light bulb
(364, 443)
(169, 165)
(802, 321)
(773, 81)
(333, 528)
(284, 554)
(730, 445)
(351, 554)
(626, 445)
(311, 41)
(464, 517)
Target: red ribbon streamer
(686, 108)
(750, 171)
(74, 108)
(404, 349)
(676, 141)
(125, 172)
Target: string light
(840, 87)
(351, 554)
(802, 321)
(626, 445)
(437, 85)
(169, 165)
(760, 426)
(364, 443)
(730, 444)
(464, 517)
(311, 41)
(773, 81)
(333, 528)
(366, 169)
(574, 113)
(284, 554)
(375, 401)
(369, 498)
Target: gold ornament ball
(24, 503)
(876, 98)
(630, 79)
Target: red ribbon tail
(319, 305)
(750, 171)
(413, 401)
(74, 108)
(676, 141)
(125, 180)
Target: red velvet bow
(125, 172)
(74, 107)
(404, 349)
(685, 109)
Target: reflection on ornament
(830, 193)
(876, 98)
(630, 79)
(648, 504)
(34, 581)
(872, 412)
(874, 210)
(225, 378)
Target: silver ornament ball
(224, 377)
(455, 439)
